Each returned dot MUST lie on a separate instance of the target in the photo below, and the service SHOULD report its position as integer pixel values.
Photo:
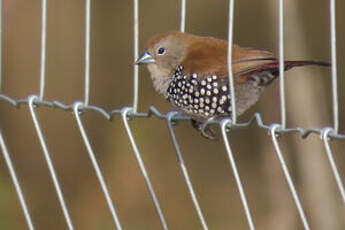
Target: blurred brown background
(309, 105)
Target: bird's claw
(205, 130)
(208, 133)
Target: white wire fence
(127, 113)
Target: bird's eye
(161, 51)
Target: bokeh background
(308, 92)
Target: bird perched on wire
(191, 72)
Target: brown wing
(208, 56)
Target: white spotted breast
(204, 97)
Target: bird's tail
(291, 64)
(266, 73)
(274, 65)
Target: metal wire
(334, 66)
(34, 101)
(125, 112)
(224, 125)
(87, 50)
(49, 162)
(1, 26)
(184, 170)
(256, 119)
(325, 138)
(43, 48)
(281, 65)
(136, 56)
(153, 111)
(231, 77)
(77, 107)
(282, 162)
(16, 182)
(183, 16)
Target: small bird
(191, 72)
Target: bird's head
(162, 55)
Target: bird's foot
(205, 130)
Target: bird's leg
(196, 124)
(204, 128)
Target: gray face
(162, 60)
(168, 54)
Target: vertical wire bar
(136, 55)
(231, 77)
(185, 171)
(125, 112)
(288, 177)
(281, 64)
(1, 26)
(87, 50)
(331, 160)
(334, 66)
(224, 124)
(49, 161)
(43, 48)
(95, 165)
(16, 182)
(183, 16)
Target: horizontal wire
(304, 133)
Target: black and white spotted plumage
(206, 97)
(200, 97)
